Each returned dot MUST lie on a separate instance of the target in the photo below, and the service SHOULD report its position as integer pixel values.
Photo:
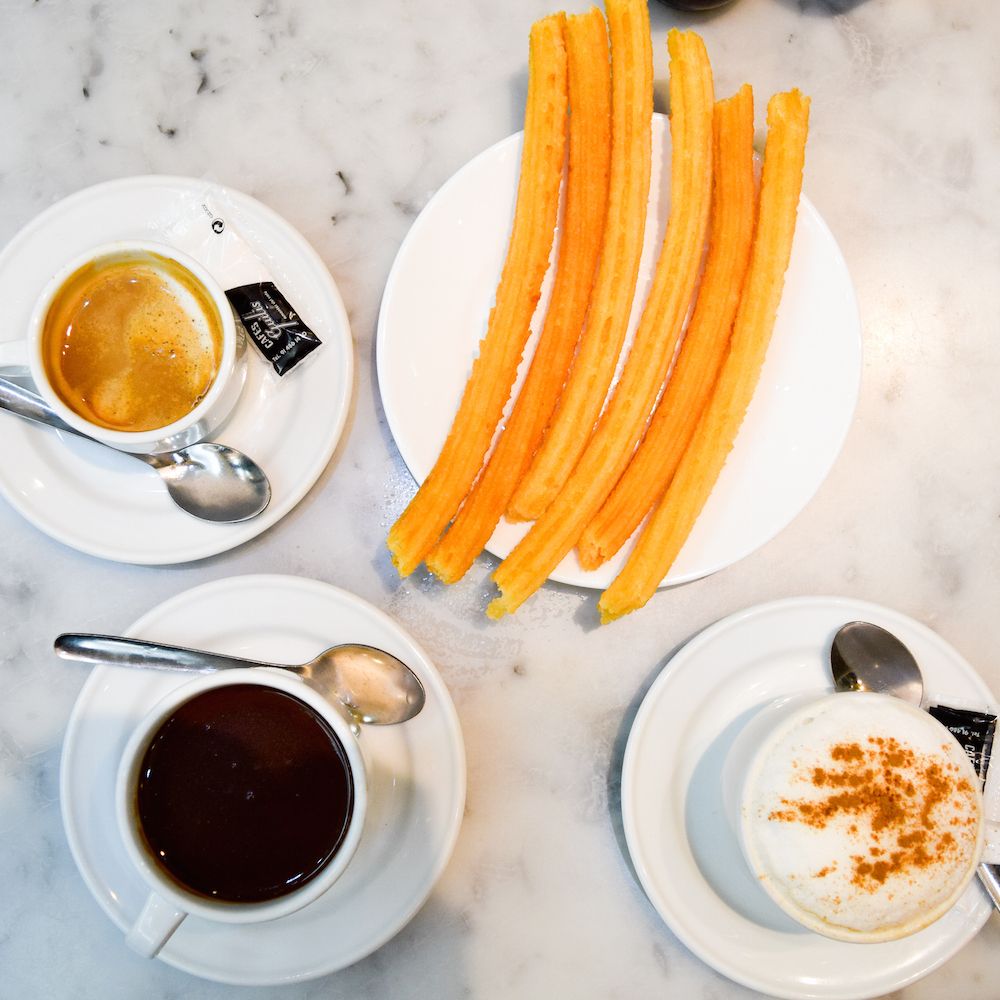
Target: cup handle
(991, 852)
(991, 849)
(14, 358)
(991, 814)
(158, 920)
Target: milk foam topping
(863, 816)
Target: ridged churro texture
(583, 221)
(624, 420)
(418, 529)
(734, 205)
(607, 322)
(672, 521)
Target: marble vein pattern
(345, 118)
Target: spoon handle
(989, 875)
(30, 405)
(121, 652)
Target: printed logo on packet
(274, 326)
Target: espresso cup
(198, 297)
(858, 814)
(228, 783)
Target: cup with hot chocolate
(859, 815)
(134, 344)
(241, 797)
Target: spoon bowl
(866, 657)
(213, 482)
(372, 686)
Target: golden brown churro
(579, 249)
(624, 420)
(436, 502)
(671, 522)
(607, 322)
(705, 343)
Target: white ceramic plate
(434, 313)
(683, 847)
(416, 781)
(110, 506)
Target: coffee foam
(862, 816)
(132, 342)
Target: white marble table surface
(345, 117)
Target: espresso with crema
(132, 342)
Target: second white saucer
(684, 849)
(416, 782)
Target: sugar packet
(207, 228)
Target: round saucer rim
(429, 675)
(642, 720)
(234, 534)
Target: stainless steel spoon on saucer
(210, 481)
(866, 657)
(375, 687)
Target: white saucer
(110, 506)
(434, 312)
(682, 845)
(416, 782)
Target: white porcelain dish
(107, 505)
(685, 851)
(416, 782)
(434, 313)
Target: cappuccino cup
(134, 344)
(858, 814)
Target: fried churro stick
(624, 420)
(583, 229)
(418, 529)
(607, 322)
(705, 343)
(673, 519)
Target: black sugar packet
(273, 325)
(973, 730)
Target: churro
(705, 342)
(624, 420)
(417, 530)
(580, 245)
(671, 523)
(607, 322)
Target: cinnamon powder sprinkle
(893, 795)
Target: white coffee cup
(803, 859)
(25, 357)
(168, 902)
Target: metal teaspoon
(866, 657)
(210, 481)
(374, 686)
